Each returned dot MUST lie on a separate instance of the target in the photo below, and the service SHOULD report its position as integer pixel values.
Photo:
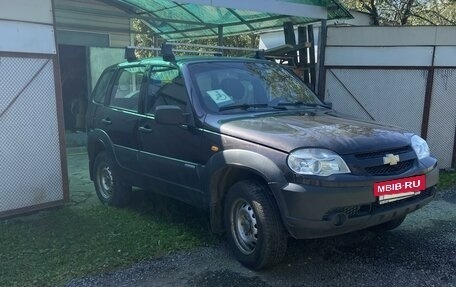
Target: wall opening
(74, 76)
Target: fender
(95, 137)
(251, 161)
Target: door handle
(145, 130)
(106, 121)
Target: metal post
(220, 35)
(290, 39)
(311, 56)
(321, 61)
(288, 30)
(427, 103)
(303, 62)
(220, 38)
(155, 44)
(453, 162)
(428, 98)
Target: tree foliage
(407, 12)
(143, 37)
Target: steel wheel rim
(105, 181)
(244, 226)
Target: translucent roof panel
(176, 20)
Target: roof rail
(212, 47)
(167, 50)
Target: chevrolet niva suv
(247, 140)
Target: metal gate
(388, 96)
(397, 96)
(30, 164)
(32, 149)
(390, 75)
(442, 119)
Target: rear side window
(127, 87)
(99, 93)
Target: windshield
(230, 86)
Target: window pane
(99, 93)
(125, 93)
(221, 84)
(166, 87)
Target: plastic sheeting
(173, 20)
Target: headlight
(315, 161)
(421, 147)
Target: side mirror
(169, 115)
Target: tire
(389, 225)
(108, 185)
(254, 230)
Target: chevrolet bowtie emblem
(391, 159)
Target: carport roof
(203, 18)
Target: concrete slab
(82, 190)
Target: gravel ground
(421, 252)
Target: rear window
(99, 93)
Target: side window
(99, 93)
(127, 87)
(166, 87)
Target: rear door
(120, 115)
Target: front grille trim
(382, 153)
(371, 163)
(386, 169)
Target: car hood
(289, 131)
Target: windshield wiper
(299, 103)
(242, 107)
(279, 106)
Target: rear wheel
(255, 232)
(109, 187)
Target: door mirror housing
(169, 115)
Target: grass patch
(52, 247)
(447, 180)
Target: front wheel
(255, 232)
(108, 185)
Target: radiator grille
(382, 153)
(387, 169)
(371, 163)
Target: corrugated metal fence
(405, 76)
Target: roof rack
(167, 50)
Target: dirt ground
(421, 252)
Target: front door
(169, 154)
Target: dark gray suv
(248, 141)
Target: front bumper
(312, 211)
